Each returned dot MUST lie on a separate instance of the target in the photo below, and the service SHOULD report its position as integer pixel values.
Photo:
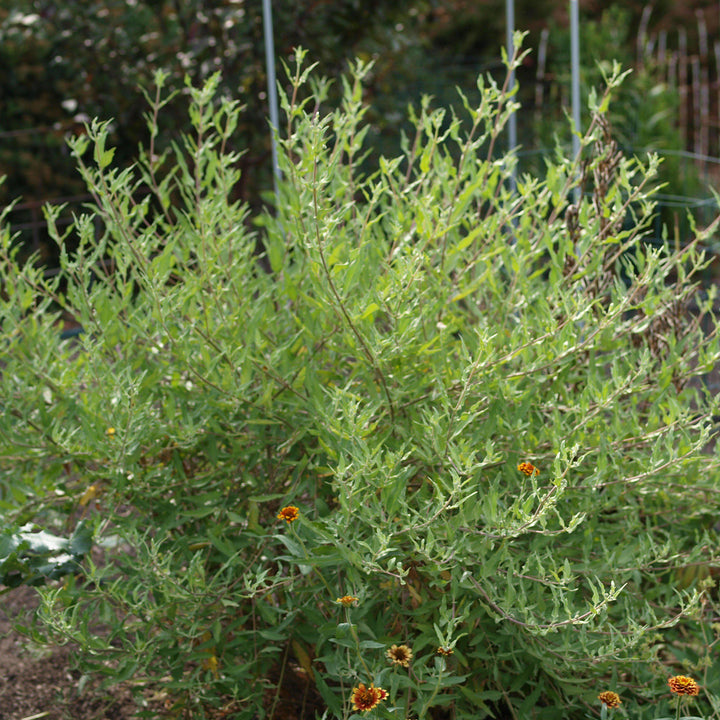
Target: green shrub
(488, 407)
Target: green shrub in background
(644, 114)
(449, 454)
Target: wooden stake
(642, 35)
(540, 79)
(662, 48)
(695, 64)
(703, 109)
(683, 84)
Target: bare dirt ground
(41, 684)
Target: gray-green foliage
(414, 335)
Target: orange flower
(400, 655)
(683, 685)
(289, 514)
(444, 651)
(609, 699)
(528, 468)
(366, 698)
(347, 600)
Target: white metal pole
(509, 31)
(575, 69)
(510, 45)
(575, 62)
(271, 88)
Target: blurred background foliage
(69, 61)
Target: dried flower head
(399, 655)
(347, 600)
(445, 651)
(289, 514)
(366, 698)
(528, 468)
(683, 685)
(609, 699)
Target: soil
(42, 684)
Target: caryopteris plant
(444, 451)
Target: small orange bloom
(289, 514)
(528, 468)
(445, 651)
(347, 600)
(683, 685)
(400, 655)
(366, 698)
(609, 699)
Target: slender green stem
(353, 632)
(343, 312)
(427, 705)
(307, 557)
(407, 696)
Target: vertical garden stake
(272, 90)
